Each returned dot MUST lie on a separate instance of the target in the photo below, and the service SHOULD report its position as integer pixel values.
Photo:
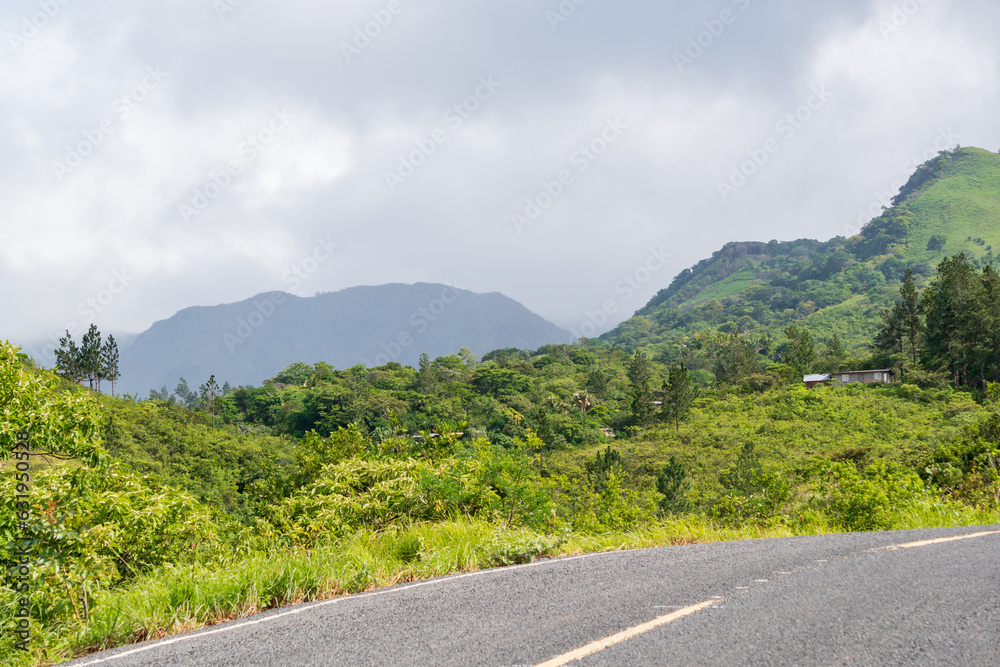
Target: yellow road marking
(941, 540)
(624, 635)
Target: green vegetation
(689, 423)
(950, 331)
(834, 287)
(146, 520)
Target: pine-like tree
(678, 395)
(674, 483)
(889, 338)
(90, 356)
(802, 353)
(834, 356)
(109, 362)
(911, 322)
(210, 394)
(426, 376)
(640, 375)
(187, 397)
(949, 305)
(68, 359)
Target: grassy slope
(732, 285)
(790, 428)
(964, 203)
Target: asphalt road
(858, 599)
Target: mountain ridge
(949, 205)
(249, 341)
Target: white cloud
(325, 173)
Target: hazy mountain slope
(839, 285)
(248, 342)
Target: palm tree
(583, 400)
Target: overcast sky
(164, 154)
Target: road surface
(890, 598)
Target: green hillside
(950, 205)
(148, 518)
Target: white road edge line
(941, 540)
(624, 635)
(323, 603)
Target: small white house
(884, 376)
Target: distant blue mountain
(245, 343)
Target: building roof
(875, 370)
(817, 378)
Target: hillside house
(883, 376)
(814, 380)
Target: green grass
(790, 428)
(727, 287)
(967, 204)
(854, 321)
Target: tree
(295, 374)
(602, 467)
(936, 243)
(188, 397)
(834, 356)
(162, 395)
(889, 338)
(109, 362)
(736, 360)
(468, 358)
(90, 356)
(597, 381)
(985, 326)
(678, 395)
(911, 322)
(802, 353)
(68, 361)
(640, 376)
(674, 484)
(951, 318)
(498, 382)
(583, 400)
(426, 376)
(210, 394)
